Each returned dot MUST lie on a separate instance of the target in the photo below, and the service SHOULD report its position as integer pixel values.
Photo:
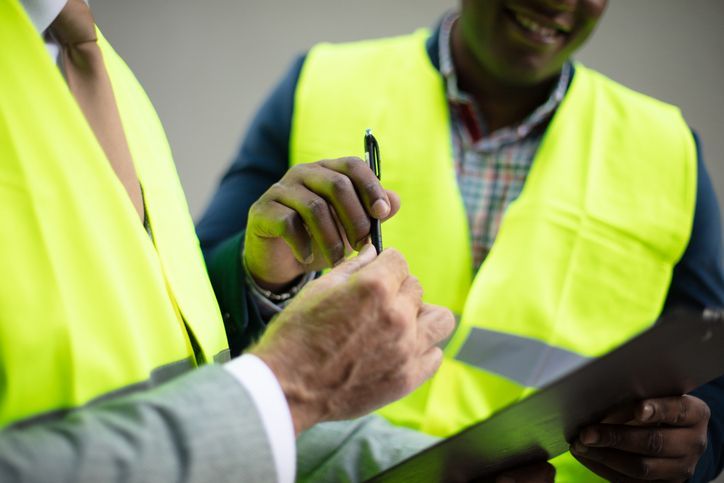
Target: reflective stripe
(526, 361)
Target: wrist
(273, 289)
(303, 406)
(274, 283)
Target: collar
(42, 12)
(438, 47)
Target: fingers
(338, 189)
(663, 440)
(317, 218)
(428, 364)
(366, 184)
(674, 411)
(334, 200)
(648, 441)
(270, 219)
(537, 473)
(395, 203)
(435, 324)
(386, 273)
(622, 466)
(409, 298)
(352, 265)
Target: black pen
(372, 156)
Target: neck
(500, 103)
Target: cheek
(588, 15)
(592, 10)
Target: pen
(372, 156)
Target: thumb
(351, 265)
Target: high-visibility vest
(584, 257)
(90, 304)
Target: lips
(539, 27)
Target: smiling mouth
(546, 34)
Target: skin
(317, 360)
(508, 72)
(655, 440)
(319, 211)
(312, 217)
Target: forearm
(201, 427)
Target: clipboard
(682, 351)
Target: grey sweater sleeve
(200, 427)
(355, 450)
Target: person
(556, 212)
(107, 314)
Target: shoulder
(622, 100)
(380, 54)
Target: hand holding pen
(312, 217)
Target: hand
(354, 340)
(535, 473)
(314, 215)
(661, 439)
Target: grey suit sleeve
(355, 450)
(200, 427)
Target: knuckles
(351, 163)
(317, 207)
(372, 187)
(655, 442)
(399, 322)
(371, 288)
(291, 222)
(340, 185)
(642, 469)
(700, 444)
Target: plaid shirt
(491, 167)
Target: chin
(526, 73)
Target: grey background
(207, 65)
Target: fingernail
(361, 243)
(380, 209)
(579, 448)
(309, 259)
(505, 479)
(647, 412)
(589, 436)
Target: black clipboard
(682, 351)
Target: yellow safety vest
(90, 304)
(584, 257)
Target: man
(597, 199)
(104, 296)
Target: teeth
(534, 26)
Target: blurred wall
(207, 65)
